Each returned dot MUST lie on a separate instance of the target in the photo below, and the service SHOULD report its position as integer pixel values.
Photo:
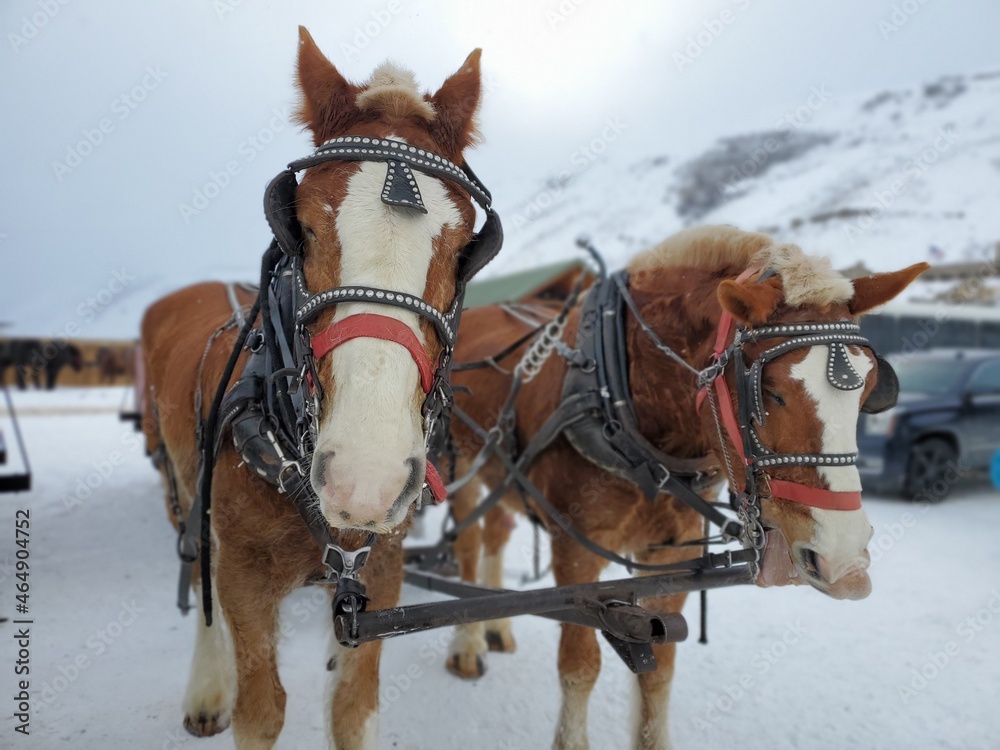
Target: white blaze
(837, 412)
(840, 536)
(374, 425)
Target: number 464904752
(22, 536)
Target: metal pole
(492, 604)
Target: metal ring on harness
(611, 428)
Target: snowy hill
(877, 177)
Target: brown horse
(681, 288)
(369, 454)
(112, 362)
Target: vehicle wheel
(927, 470)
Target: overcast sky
(185, 87)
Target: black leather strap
(609, 434)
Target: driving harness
(272, 410)
(596, 415)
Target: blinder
(399, 190)
(841, 374)
(756, 457)
(886, 391)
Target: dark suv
(947, 422)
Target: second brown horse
(681, 287)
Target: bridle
(273, 409)
(401, 191)
(749, 470)
(754, 459)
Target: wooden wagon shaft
(579, 604)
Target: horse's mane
(806, 279)
(393, 89)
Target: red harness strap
(374, 326)
(817, 497)
(435, 483)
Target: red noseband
(374, 326)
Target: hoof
(204, 725)
(500, 641)
(465, 666)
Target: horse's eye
(309, 233)
(774, 396)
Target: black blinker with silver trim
(839, 370)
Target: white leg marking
(651, 732)
(491, 574)
(211, 687)
(571, 733)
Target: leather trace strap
(375, 326)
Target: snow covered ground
(784, 668)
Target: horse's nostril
(320, 462)
(810, 560)
(345, 515)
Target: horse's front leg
(651, 731)
(208, 700)
(497, 525)
(467, 651)
(579, 654)
(250, 590)
(354, 711)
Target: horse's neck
(664, 392)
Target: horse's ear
(879, 288)
(455, 107)
(751, 303)
(328, 100)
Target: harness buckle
(294, 466)
(714, 370)
(350, 561)
(254, 341)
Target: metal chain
(752, 536)
(533, 360)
